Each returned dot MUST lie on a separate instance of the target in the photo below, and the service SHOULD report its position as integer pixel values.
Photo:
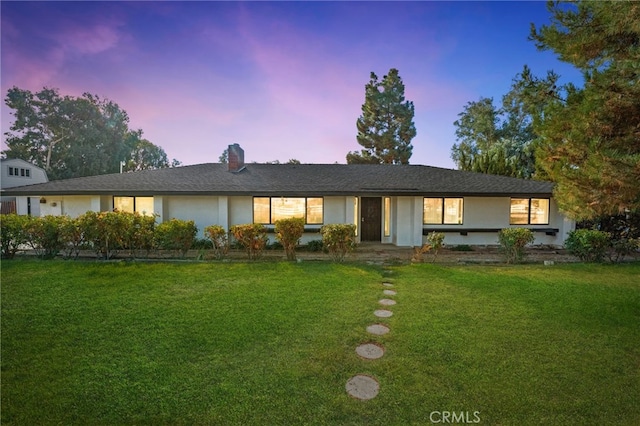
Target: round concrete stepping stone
(382, 313)
(389, 292)
(378, 329)
(387, 284)
(387, 302)
(362, 387)
(370, 351)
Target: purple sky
(282, 79)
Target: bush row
(592, 245)
(107, 234)
(135, 235)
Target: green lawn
(274, 343)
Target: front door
(371, 219)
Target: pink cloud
(89, 40)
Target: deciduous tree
(75, 136)
(502, 140)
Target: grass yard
(274, 343)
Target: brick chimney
(236, 158)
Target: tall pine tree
(590, 141)
(385, 128)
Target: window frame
(135, 204)
(386, 202)
(442, 211)
(270, 204)
(529, 210)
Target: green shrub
(176, 234)
(288, 232)
(338, 239)
(589, 245)
(436, 240)
(140, 233)
(274, 245)
(13, 233)
(44, 235)
(251, 237)
(461, 247)
(513, 241)
(314, 245)
(106, 232)
(71, 237)
(623, 247)
(219, 237)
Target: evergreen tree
(590, 140)
(385, 128)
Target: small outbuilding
(13, 173)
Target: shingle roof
(293, 179)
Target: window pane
(539, 211)
(285, 208)
(144, 205)
(519, 214)
(387, 216)
(314, 210)
(432, 211)
(123, 204)
(261, 210)
(453, 211)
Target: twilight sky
(283, 79)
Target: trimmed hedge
(288, 232)
(252, 237)
(513, 241)
(338, 240)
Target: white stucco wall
(240, 210)
(203, 210)
(406, 227)
(493, 212)
(78, 205)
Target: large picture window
(142, 205)
(529, 211)
(268, 210)
(438, 211)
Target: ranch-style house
(389, 204)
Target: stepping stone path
(378, 329)
(370, 351)
(362, 386)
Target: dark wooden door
(371, 219)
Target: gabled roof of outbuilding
(292, 180)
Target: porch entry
(371, 219)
